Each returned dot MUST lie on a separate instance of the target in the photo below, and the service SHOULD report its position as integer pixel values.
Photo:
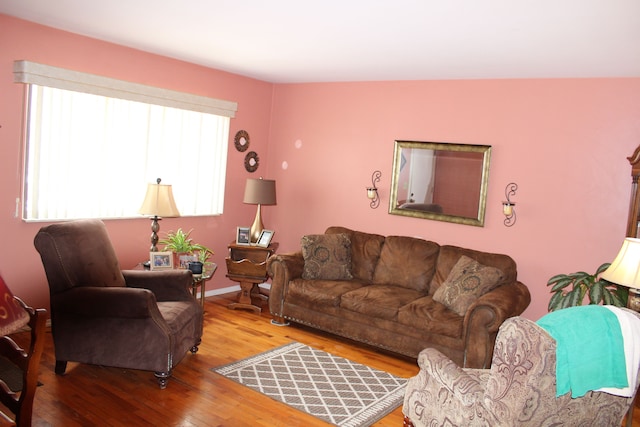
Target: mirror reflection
(440, 181)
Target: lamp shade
(260, 192)
(12, 315)
(159, 201)
(625, 268)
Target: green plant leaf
(556, 278)
(555, 302)
(602, 268)
(598, 293)
(617, 301)
(574, 298)
(561, 284)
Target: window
(91, 156)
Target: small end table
(247, 264)
(199, 280)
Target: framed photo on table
(184, 260)
(265, 238)
(161, 260)
(243, 236)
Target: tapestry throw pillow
(467, 281)
(326, 257)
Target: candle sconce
(508, 207)
(372, 192)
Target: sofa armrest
(465, 386)
(167, 285)
(282, 268)
(484, 317)
(110, 302)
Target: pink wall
(19, 262)
(564, 142)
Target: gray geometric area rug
(332, 388)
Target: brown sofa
(380, 291)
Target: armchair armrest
(282, 268)
(484, 317)
(167, 285)
(465, 387)
(114, 302)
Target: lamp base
(155, 227)
(257, 226)
(633, 302)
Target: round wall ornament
(251, 161)
(241, 140)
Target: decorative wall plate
(241, 140)
(251, 161)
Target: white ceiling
(365, 40)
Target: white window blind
(91, 156)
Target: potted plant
(181, 243)
(197, 267)
(570, 290)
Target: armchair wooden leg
(163, 378)
(61, 367)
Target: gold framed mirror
(440, 181)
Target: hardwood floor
(90, 395)
(195, 396)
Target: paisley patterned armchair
(518, 390)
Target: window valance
(60, 78)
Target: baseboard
(229, 289)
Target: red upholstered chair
(15, 314)
(100, 315)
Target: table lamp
(625, 270)
(259, 192)
(158, 202)
(12, 315)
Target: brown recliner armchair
(518, 390)
(101, 315)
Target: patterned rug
(334, 389)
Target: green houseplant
(180, 242)
(570, 290)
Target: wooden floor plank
(91, 395)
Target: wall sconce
(508, 206)
(372, 192)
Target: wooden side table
(199, 280)
(247, 264)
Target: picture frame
(265, 238)
(184, 260)
(161, 260)
(243, 236)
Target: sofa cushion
(432, 317)
(326, 257)
(407, 262)
(316, 293)
(365, 251)
(449, 256)
(380, 301)
(467, 281)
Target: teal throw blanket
(589, 349)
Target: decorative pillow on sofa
(326, 257)
(467, 281)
